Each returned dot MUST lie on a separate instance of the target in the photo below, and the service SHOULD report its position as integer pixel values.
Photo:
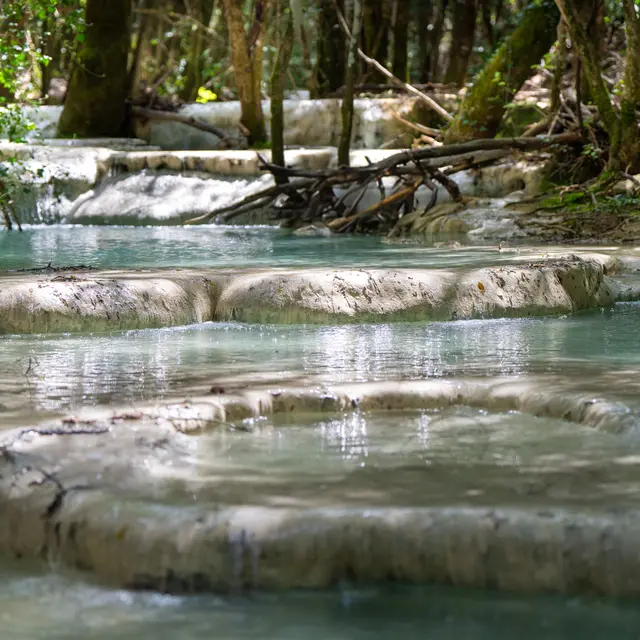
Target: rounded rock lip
(97, 300)
(128, 538)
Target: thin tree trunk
(201, 11)
(590, 58)
(487, 23)
(331, 51)
(376, 19)
(400, 60)
(347, 98)
(462, 39)
(559, 62)
(436, 39)
(278, 81)
(143, 35)
(425, 14)
(98, 89)
(246, 83)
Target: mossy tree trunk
(246, 55)
(331, 51)
(400, 57)
(482, 109)
(621, 127)
(349, 87)
(630, 146)
(98, 88)
(463, 16)
(632, 64)
(278, 81)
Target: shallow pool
(219, 246)
(460, 455)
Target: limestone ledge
(109, 300)
(153, 511)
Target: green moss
(517, 118)
(483, 107)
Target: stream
(473, 455)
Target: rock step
(159, 509)
(100, 301)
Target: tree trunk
(632, 61)
(278, 81)
(424, 16)
(630, 146)
(559, 63)
(622, 152)
(331, 51)
(436, 38)
(462, 38)
(142, 37)
(98, 89)
(487, 22)
(247, 84)
(399, 64)
(482, 109)
(376, 19)
(349, 87)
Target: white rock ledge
(146, 514)
(99, 301)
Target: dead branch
(155, 114)
(311, 194)
(227, 213)
(433, 133)
(341, 224)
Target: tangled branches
(334, 195)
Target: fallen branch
(155, 114)
(420, 128)
(230, 211)
(311, 194)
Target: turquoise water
(212, 246)
(596, 350)
(54, 607)
(597, 353)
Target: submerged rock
(318, 230)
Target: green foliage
(25, 26)
(14, 124)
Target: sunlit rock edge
(103, 300)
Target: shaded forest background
(111, 60)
